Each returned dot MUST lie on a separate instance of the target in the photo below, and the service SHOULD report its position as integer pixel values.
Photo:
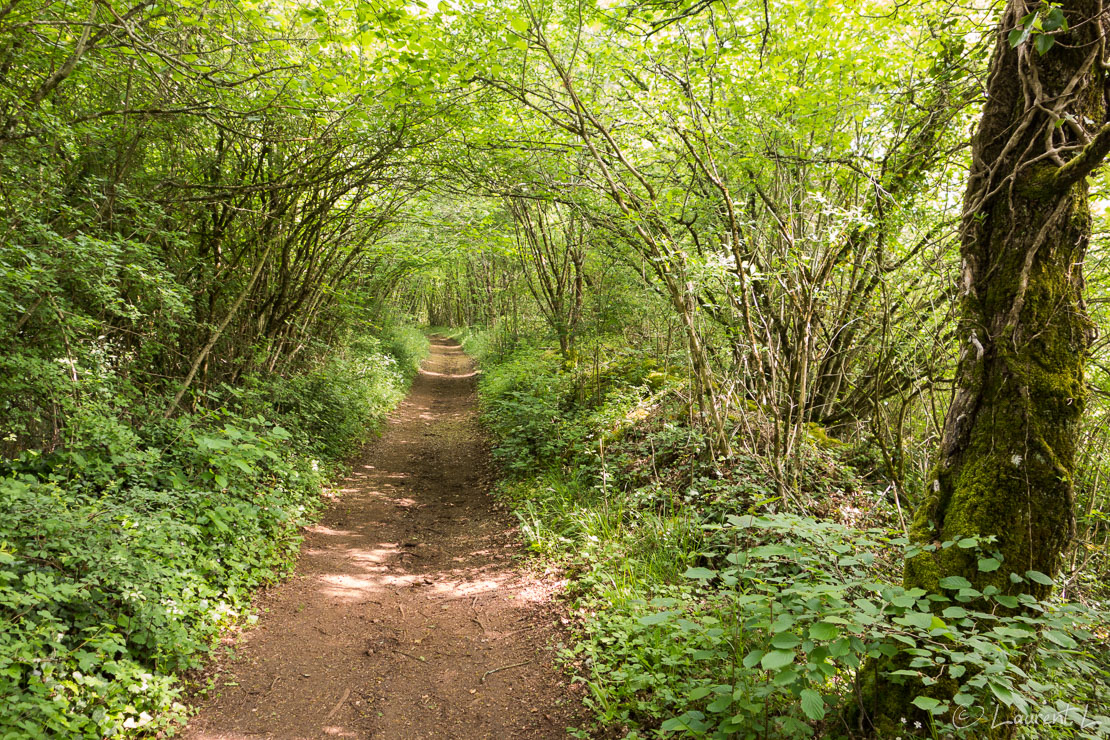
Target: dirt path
(408, 617)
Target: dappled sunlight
(466, 588)
(329, 531)
(351, 574)
(406, 597)
(365, 572)
(791, 321)
(329, 730)
(470, 374)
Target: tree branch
(1083, 163)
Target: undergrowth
(125, 553)
(709, 605)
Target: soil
(411, 614)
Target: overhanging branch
(1084, 163)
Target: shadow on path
(407, 617)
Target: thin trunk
(215, 335)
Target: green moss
(1038, 182)
(657, 379)
(821, 438)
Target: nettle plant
(794, 608)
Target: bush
(705, 611)
(124, 554)
(334, 407)
(523, 403)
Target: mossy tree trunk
(1007, 455)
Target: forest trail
(407, 616)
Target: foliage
(191, 200)
(525, 398)
(332, 409)
(189, 195)
(706, 610)
(124, 554)
(705, 251)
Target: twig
(342, 701)
(503, 668)
(409, 655)
(898, 503)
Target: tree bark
(1007, 455)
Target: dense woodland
(791, 316)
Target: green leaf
(1060, 638)
(812, 704)
(955, 582)
(1004, 694)
(921, 620)
(700, 693)
(1055, 21)
(823, 631)
(783, 623)
(968, 594)
(688, 721)
(656, 618)
(1043, 42)
(777, 659)
(988, 565)
(720, 704)
(926, 703)
(1017, 36)
(701, 574)
(1041, 578)
(785, 640)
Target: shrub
(125, 553)
(706, 611)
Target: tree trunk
(216, 333)
(1007, 455)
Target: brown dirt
(408, 616)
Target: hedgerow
(707, 607)
(125, 553)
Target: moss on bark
(1008, 450)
